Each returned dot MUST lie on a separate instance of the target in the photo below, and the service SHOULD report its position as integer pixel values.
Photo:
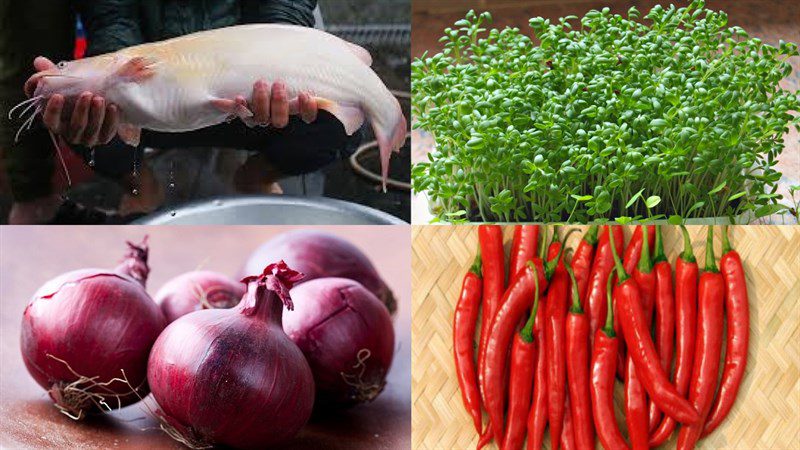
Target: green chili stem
(621, 274)
(609, 327)
(711, 264)
(645, 265)
(527, 331)
(726, 243)
(688, 254)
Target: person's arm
(293, 12)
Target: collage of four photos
(400, 224)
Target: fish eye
(62, 65)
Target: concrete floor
(770, 20)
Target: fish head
(71, 78)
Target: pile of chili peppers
(555, 336)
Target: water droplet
(172, 185)
(91, 158)
(172, 213)
(135, 191)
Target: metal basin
(270, 210)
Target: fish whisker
(60, 157)
(28, 108)
(23, 103)
(28, 123)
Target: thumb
(41, 63)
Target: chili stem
(688, 254)
(659, 255)
(527, 331)
(726, 244)
(645, 264)
(621, 274)
(609, 327)
(576, 301)
(711, 265)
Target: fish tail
(391, 137)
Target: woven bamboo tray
(767, 411)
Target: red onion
(321, 255)
(347, 337)
(232, 376)
(86, 336)
(193, 291)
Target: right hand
(92, 120)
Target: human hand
(271, 105)
(91, 122)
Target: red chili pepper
(490, 238)
(555, 337)
(537, 419)
(710, 297)
(523, 247)
(464, 322)
(602, 266)
(577, 353)
(604, 367)
(630, 260)
(517, 299)
(634, 249)
(685, 320)
(635, 396)
(665, 317)
(738, 313)
(643, 351)
(582, 262)
(568, 440)
(523, 359)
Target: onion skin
(347, 337)
(97, 323)
(232, 376)
(193, 291)
(321, 255)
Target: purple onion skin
(322, 255)
(336, 323)
(181, 295)
(99, 322)
(232, 376)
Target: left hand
(270, 104)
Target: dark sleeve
(294, 12)
(296, 149)
(110, 24)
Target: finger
(97, 113)
(308, 108)
(279, 108)
(41, 63)
(261, 98)
(52, 113)
(109, 127)
(80, 117)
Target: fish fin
(138, 68)
(362, 53)
(390, 139)
(231, 107)
(129, 134)
(351, 115)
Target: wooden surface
(29, 256)
(767, 411)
